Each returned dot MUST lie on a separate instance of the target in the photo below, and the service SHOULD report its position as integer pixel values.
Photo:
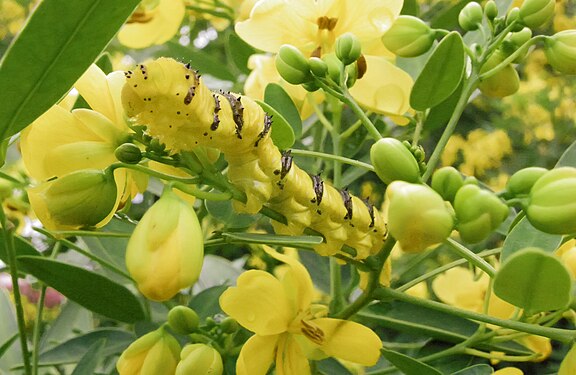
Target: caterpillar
(170, 99)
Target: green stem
(153, 173)
(563, 335)
(510, 59)
(341, 159)
(88, 233)
(8, 231)
(348, 132)
(501, 357)
(206, 195)
(471, 257)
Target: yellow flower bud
(504, 83)
(154, 353)
(535, 13)
(560, 51)
(84, 198)
(165, 251)
(199, 359)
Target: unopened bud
(183, 320)
(521, 182)
(446, 182)
(128, 153)
(470, 17)
(199, 359)
(292, 65)
(503, 83)
(408, 37)
(393, 161)
(560, 51)
(348, 48)
(535, 13)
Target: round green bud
(491, 9)
(128, 153)
(393, 161)
(512, 15)
(552, 207)
(183, 320)
(318, 66)
(478, 212)
(334, 66)
(229, 325)
(418, 217)
(560, 50)
(348, 48)
(310, 86)
(447, 181)
(504, 83)
(520, 37)
(210, 322)
(470, 17)
(292, 65)
(535, 13)
(409, 37)
(521, 182)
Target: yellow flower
(153, 23)
(156, 352)
(568, 365)
(230, 9)
(288, 328)
(12, 17)
(509, 371)
(313, 26)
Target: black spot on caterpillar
(240, 129)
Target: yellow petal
(384, 88)
(259, 303)
(568, 365)
(367, 19)
(290, 358)
(349, 341)
(257, 355)
(509, 371)
(457, 287)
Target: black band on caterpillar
(171, 100)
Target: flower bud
(535, 13)
(292, 65)
(513, 15)
(348, 48)
(393, 161)
(183, 320)
(552, 207)
(446, 182)
(503, 83)
(85, 198)
(334, 66)
(318, 66)
(478, 212)
(514, 41)
(418, 217)
(522, 181)
(560, 51)
(491, 9)
(229, 325)
(408, 37)
(128, 153)
(470, 17)
(165, 252)
(156, 352)
(199, 359)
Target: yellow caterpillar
(170, 99)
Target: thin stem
(348, 132)
(501, 357)
(153, 173)
(341, 159)
(88, 233)
(206, 195)
(510, 59)
(471, 257)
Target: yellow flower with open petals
(288, 328)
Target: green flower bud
(393, 161)
(514, 41)
(156, 352)
(85, 198)
(470, 17)
(183, 320)
(166, 249)
(535, 13)
(513, 15)
(409, 37)
(229, 325)
(128, 153)
(334, 66)
(560, 51)
(521, 182)
(199, 359)
(418, 217)
(505, 82)
(478, 212)
(446, 182)
(318, 66)
(352, 74)
(310, 86)
(348, 48)
(491, 9)
(552, 207)
(292, 65)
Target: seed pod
(393, 161)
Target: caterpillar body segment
(171, 100)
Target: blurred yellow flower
(288, 328)
(12, 17)
(220, 12)
(153, 23)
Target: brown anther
(315, 334)
(327, 23)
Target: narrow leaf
(7, 344)
(481, 369)
(568, 158)
(240, 51)
(524, 235)
(282, 133)
(441, 74)
(407, 365)
(11, 354)
(87, 365)
(278, 98)
(91, 290)
(206, 302)
(60, 41)
(275, 239)
(21, 247)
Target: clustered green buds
(521, 182)
(292, 65)
(503, 83)
(85, 198)
(393, 161)
(491, 10)
(409, 37)
(470, 17)
(348, 48)
(551, 206)
(447, 181)
(156, 352)
(478, 212)
(128, 153)
(535, 13)
(199, 359)
(560, 50)
(183, 320)
(418, 217)
(318, 67)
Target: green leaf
(11, 353)
(331, 366)
(7, 344)
(534, 280)
(407, 365)
(441, 74)
(447, 18)
(21, 247)
(282, 133)
(524, 235)
(275, 239)
(60, 41)
(440, 114)
(87, 365)
(278, 98)
(71, 320)
(206, 302)
(224, 212)
(91, 290)
(476, 370)
(239, 51)
(568, 158)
